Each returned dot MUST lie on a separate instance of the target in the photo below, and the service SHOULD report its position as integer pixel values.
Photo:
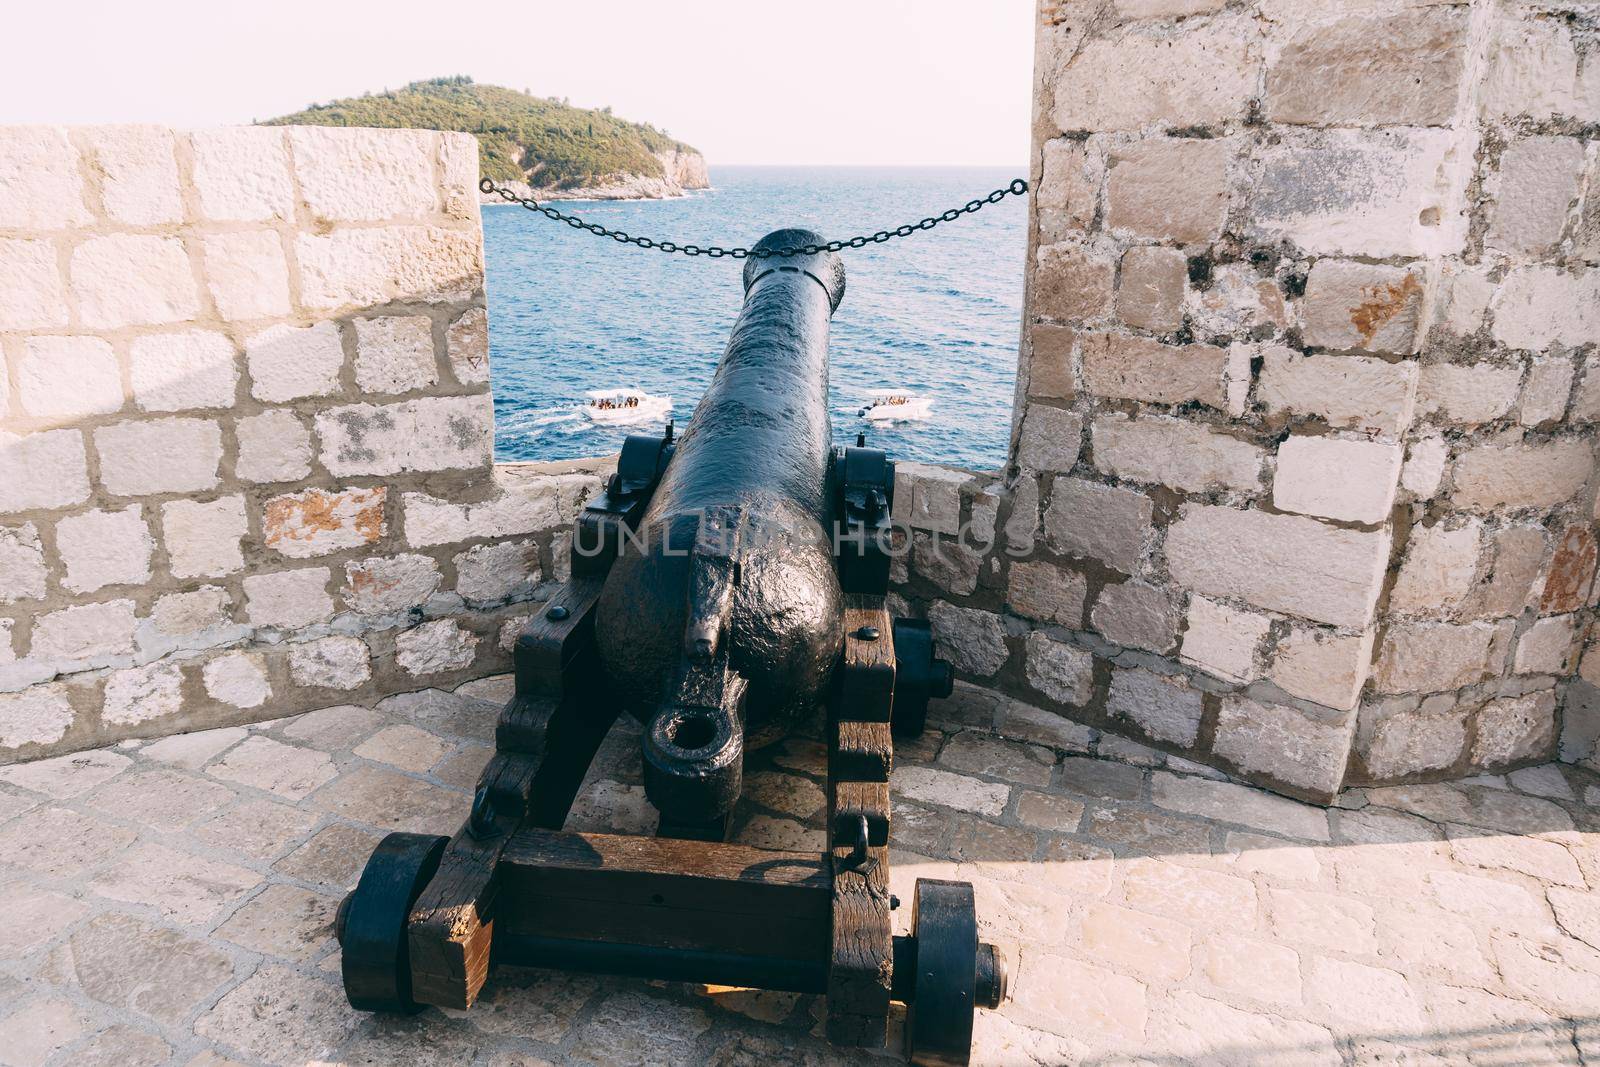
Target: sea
(933, 318)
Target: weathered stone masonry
(1301, 484)
(245, 431)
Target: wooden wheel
(944, 922)
(372, 922)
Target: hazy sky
(746, 81)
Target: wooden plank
(864, 752)
(451, 927)
(861, 965)
(546, 645)
(852, 802)
(866, 678)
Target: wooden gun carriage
(723, 585)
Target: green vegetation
(543, 141)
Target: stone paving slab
(171, 902)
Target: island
(538, 146)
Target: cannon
(724, 586)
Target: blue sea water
(934, 315)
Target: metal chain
(1016, 188)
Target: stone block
(1322, 666)
(42, 470)
(929, 497)
(370, 266)
(40, 175)
(174, 455)
(394, 354)
(429, 434)
(274, 446)
(1424, 467)
(141, 694)
(390, 584)
(330, 663)
(1347, 392)
(1177, 453)
(396, 169)
(1544, 395)
(1284, 743)
(1375, 193)
(1488, 477)
(1222, 640)
(492, 573)
(290, 362)
(1050, 370)
(133, 280)
(1050, 440)
(1072, 282)
(971, 639)
(1532, 70)
(101, 548)
(1166, 708)
(1469, 394)
(1363, 306)
(242, 174)
(1437, 657)
(1136, 615)
(1199, 75)
(31, 279)
(1046, 592)
(1393, 70)
(1136, 368)
(1538, 306)
(1068, 189)
(1150, 289)
(179, 371)
(1549, 646)
(317, 522)
(1515, 730)
(1060, 671)
(88, 633)
(1170, 189)
(288, 599)
(1572, 568)
(1337, 478)
(22, 569)
(951, 565)
(138, 173)
(467, 344)
(458, 166)
(1509, 586)
(247, 274)
(68, 377)
(431, 521)
(1412, 742)
(1100, 522)
(203, 615)
(38, 715)
(1439, 570)
(1266, 560)
(441, 645)
(202, 539)
(1538, 181)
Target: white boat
(625, 407)
(889, 406)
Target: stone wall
(246, 432)
(1301, 479)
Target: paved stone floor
(171, 901)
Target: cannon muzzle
(721, 618)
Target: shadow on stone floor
(1151, 914)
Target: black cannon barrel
(720, 624)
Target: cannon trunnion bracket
(431, 914)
